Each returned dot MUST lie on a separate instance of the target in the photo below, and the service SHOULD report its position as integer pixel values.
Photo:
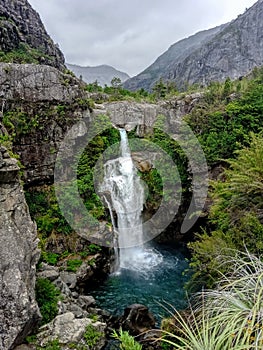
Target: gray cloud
(129, 35)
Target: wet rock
(86, 301)
(137, 319)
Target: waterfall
(124, 193)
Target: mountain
(23, 37)
(230, 50)
(103, 74)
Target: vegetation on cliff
(227, 121)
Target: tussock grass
(227, 317)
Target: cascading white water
(127, 197)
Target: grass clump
(127, 342)
(227, 317)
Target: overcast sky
(129, 34)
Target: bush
(236, 213)
(47, 297)
(52, 345)
(92, 336)
(73, 265)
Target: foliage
(73, 264)
(127, 342)
(48, 257)
(23, 54)
(51, 345)
(228, 317)
(47, 296)
(19, 123)
(117, 92)
(221, 124)
(44, 209)
(92, 335)
(236, 213)
(88, 160)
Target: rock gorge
(40, 102)
(43, 104)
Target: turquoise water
(157, 283)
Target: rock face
(21, 24)
(144, 115)
(42, 104)
(35, 83)
(230, 50)
(19, 312)
(102, 74)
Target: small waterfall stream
(127, 197)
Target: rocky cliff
(231, 50)
(23, 35)
(18, 257)
(39, 103)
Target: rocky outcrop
(20, 25)
(231, 50)
(137, 319)
(37, 83)
(144, 115)
(69, 330)
(19, 312)
(42, 104)
(78, 322)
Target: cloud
(129, 35)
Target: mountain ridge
(213, 54)
(103, 73)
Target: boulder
(137, 319)
(69, 330)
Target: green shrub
(223, 126)
(92, 336)
(23, 54)
(50, 258)
(236, 213)
(47, 296)
(51, 345)
(127, 342)
(94, 248)
(73, 265)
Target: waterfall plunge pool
(155, 281)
